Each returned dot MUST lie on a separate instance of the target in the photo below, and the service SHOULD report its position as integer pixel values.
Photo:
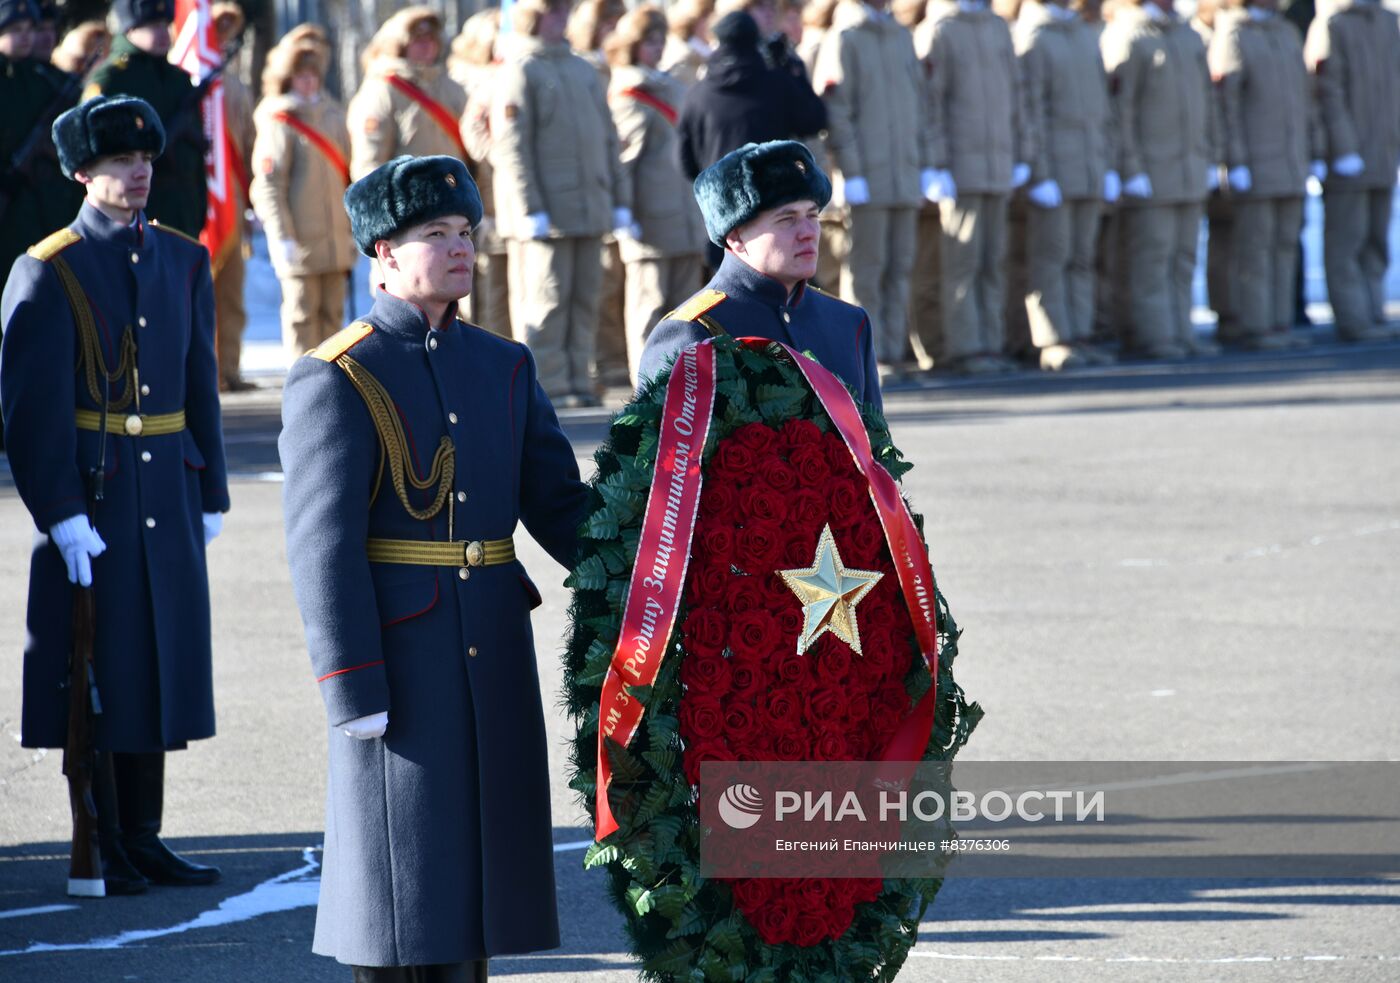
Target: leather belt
(132, 424)
(473, 553)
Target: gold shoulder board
(695, 306)
(51, 245)
(342, 341)
(176, 232)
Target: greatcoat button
(463, 573)
(141, 321)
(452, 418)
(145, 389)
(146, 456)
(432, 343)
(472, 651)
(150, 523)
(787, 318)
(461, 496)
(136, 257)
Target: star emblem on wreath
(829, 591)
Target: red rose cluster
(748, 694)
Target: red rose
(774, 923)
(858, 708)
(718, 500)
(754, 634)
(790, 747)
(706, 631)
(800, 433)
(783, 709)
(845, 498)
(866, 542)
(809, 461)
(745, 679)
(809, 929)
(830, 746)
(752, 893)
(790, 621)
(744, 594)
(759, 503)
(701, 717)
(715, 543)
(866, 888)
(757, 437)
(775, 473)
(834, 662)
(741, 724)
(799, 549)
(838, 919)
(791, 667)
(734, 462)
(698, 752)
(806, 512)
(706, 675)
(760, 544)
(825, 704)
(706, 586)
(838, 455)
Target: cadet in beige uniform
(1354, 55)
(300, 172)
(663, 261)
(872, 84)
(1222, 284)
(230, 317)
(1067, 99)
(688, 42)
(980, 142)
(559, 188)
(1163, 107)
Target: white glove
(1212, 178)
(282, 252)
(79, 543)
(938, 185)
(1046, 194)
(1348, 165)
(929, 183)
(1240, 179)
(363, 728)
(1318, 170)
(1138, 186)
(538, 224)
(1112, 186)
(213, 525)
(623, 224)
(857, 191)
(1020, 174)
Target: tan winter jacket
(238, 117)
(297, 191)
(554, 147)
(872, 84)
(1066, 100)
(977, 123)
(385, 122)
(1355, 56)
(683, 61)
(1266, 105)
(662, 201)
(476, 134)
(1164, 109)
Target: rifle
(39, 140)
(178, 125)
(80, 749)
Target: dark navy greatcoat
(152, 653)
(438, 835)
(836, 333)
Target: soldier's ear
(82, 177)
(384, 252)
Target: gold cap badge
(140, 123)
(451, 181)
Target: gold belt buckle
(475, 553)
(134, 425)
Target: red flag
(196, 50)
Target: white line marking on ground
(41, 910)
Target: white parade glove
(1020, 174)
(857, 191)
(363, 728)
(1348, 165)
(282, 251)
(1212, 178)
(538, 224)
(1046, 194)
(79, 543)
(1112, 186)
(623, 224)
(943, 188)
(930, 182)
(213, 525)
(1240, 179)
(1138, 186)
(1317, 170)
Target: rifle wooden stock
(80, 753)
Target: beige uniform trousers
(876, 275)
(1355, 254)
(230, 317)
(971, 258)
(313, 309)
(1159, 258)
(1264, 261)
(655, 287)
(612, 313)
(1222, 276)
(832, 250)
(490, 300)
(925, 302)
(1060, 247)
(554, 289)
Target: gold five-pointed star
(829, 593)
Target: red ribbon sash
(320, 141)
(440, 113)
(664, 108)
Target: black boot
(118, 875)
(140, 799)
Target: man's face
(45, 37)
(431, 262)
(766, 15)
(553, 23)
(649, 51)
(306, 83)
(781, 242)
(119, 181)
(17, 40)
(152, 37)
(423, 46)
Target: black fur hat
(13, 11)
(755, 178)
(103, 126)
(407, 191)
(134, 13)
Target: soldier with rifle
(109, 384)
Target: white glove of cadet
(363, 728)
(78, 542)
(1240, 179)
(938, 185)
(1212, 178)
(623, 224)
(213, 525)
(1020, 174)
(1138, 186)
(857, 191)
(538, 224)
(1046, 194)
(1348, 165)
(1112, 186)
(283, 251)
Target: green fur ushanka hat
(755, 178)
(407, 191)
(103, 126)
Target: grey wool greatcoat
(152, 649)
(438, 835)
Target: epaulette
(695, 306)
(342, 341)
(176, 232)
(53, 244)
